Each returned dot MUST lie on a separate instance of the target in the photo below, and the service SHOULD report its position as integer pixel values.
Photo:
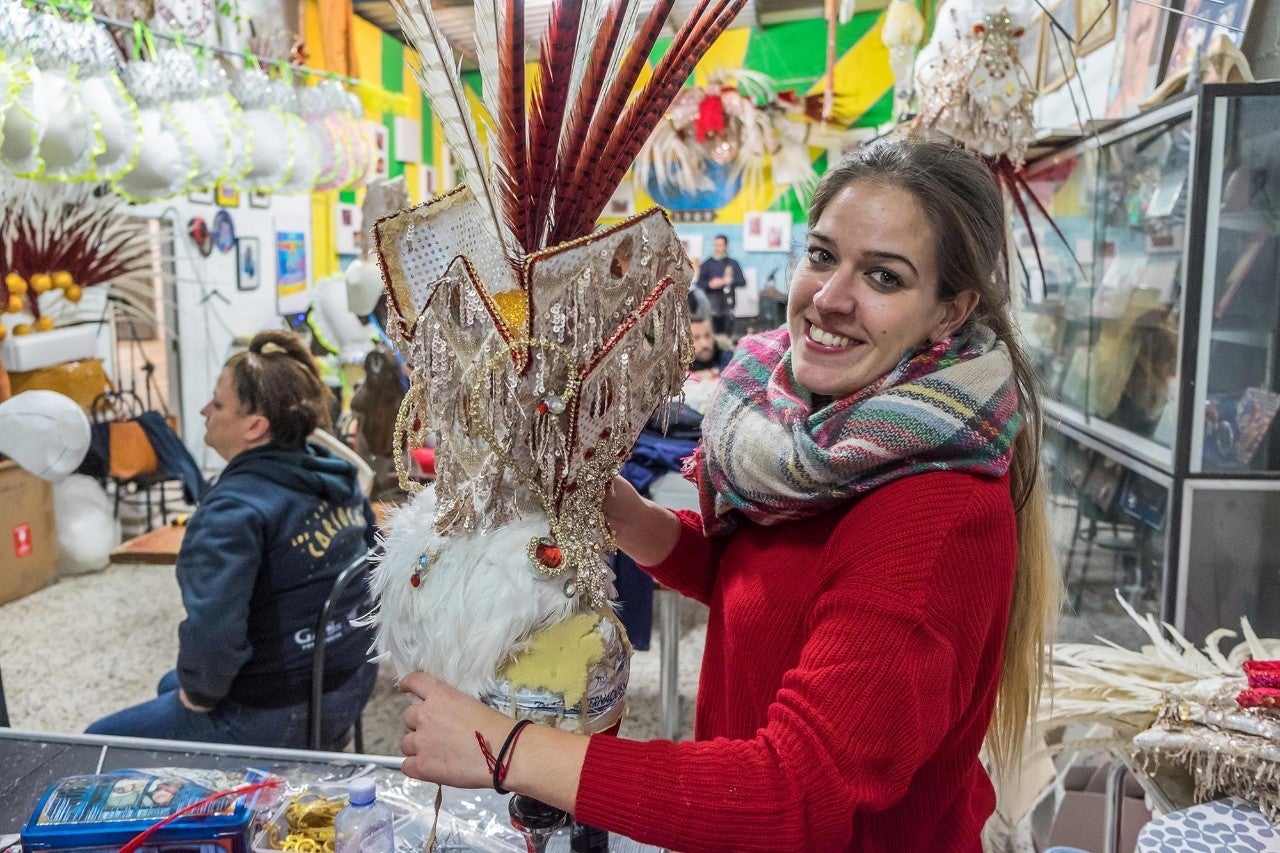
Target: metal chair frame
(360, 567)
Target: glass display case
(1152, 317)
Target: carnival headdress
(537, 348)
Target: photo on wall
(1095, 24)
(1135, 71)
(769, 231)
(248, 263)
(1200, 22)
(1057, 49)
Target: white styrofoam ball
(70, 143)
(45, 432)
(24, 125)
(87, 527)
(165, 161)
(270, 148)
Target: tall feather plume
(513, 163)
(710, 19)
(589, 34)
(578, 119)
(604, 122)
(487, 15)
(547, 115)
(437, 73)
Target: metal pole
(669, 663)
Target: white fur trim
(477, 604)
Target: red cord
(138, 839)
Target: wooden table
(157, 547)
(160, 547)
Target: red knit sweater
(849, 678)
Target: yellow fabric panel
(411, 181)
(366, 41)
(862, 75)
(727, 54)
(313, 36)
(322, 234)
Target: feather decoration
(512, 165)
(437, 73)
(590, 33)
(577, 121)
(555, 66)
(604, 122)
(487, 15)
(701, 29)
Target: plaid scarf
(766, 453)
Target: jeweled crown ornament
(538, 347)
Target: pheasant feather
(513, 165)
(597, 67)
(604, 122)
(556, 69)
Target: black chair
(357, 570)
(4, 709)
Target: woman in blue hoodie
(258, 559)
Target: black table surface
(31, 761)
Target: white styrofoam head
(45, 432)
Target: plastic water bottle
(364, 825)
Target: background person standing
(718, 277)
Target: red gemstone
(542, 408)
(417, 424)
(605, 433)
(548, 553)
(415, 580)
(589, 454)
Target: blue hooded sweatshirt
(258, 560)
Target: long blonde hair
(963, 203)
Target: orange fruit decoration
(44, 324)
(74, 293)
(40, 282)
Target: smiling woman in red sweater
(872, 546)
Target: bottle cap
(362, 791)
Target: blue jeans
(167, 718)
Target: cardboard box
(28, 535)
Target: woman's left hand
(441, 745)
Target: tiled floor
(92, 644)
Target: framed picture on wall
(1057, 45)
(348, 222)
(259, 200)
(427, 186)
(766, 232)
(1029, 49)
(227, 195)
(1200, 22)
(1095, 24)
(248, 263)
(204, 196)
(692, 247)
(623, 202)
(1135, 71)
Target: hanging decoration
(975, 90)
(718, 138)
(978, 92)
(901, 34)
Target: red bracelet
(502, 763)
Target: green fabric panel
(796, 53)
(428, 135)
(394, 167)
(881, 111)
(347, 196)
(392, 64)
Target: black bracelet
(501, 763)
